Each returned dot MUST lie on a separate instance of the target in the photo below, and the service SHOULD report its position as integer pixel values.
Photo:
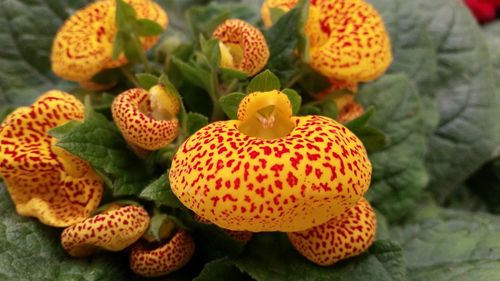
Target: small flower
(243, 47)
(345, 236)
(147, 119)
(348, 42)
(165, 259)
(44, 180)
(113, 230)
(269, 171)
(83, 46)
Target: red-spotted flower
(43, 180)
(113, 230)
(269, 171)
(147, 119)
(243, 47)
(342, 237)
(348, 42)
(83, 46)
(164, 259)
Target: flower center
(162, 103)
(266, 115)
(231, 55)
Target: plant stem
(130, 77)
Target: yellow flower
(83, 46)
(43, 180)
(164, 259)
(348, 42)
(113, 230)
(147, 119)
(269, 171)
(243, 47)
(347, 235)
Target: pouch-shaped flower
(44, 180)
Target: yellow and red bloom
(147, 119)
(44, 180)
(348, 42)
(243, 47)
(162, 260)
(113, 230)
(347, 235)
(83, 46)
(269, 171)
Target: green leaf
(309, 109)
(61, 131)
(118, 44)
(159, 192)
(197, 76)
(204, 19)
(282, 39)
(125, 16)
(182, 116)
(362, 120)
(295, 100)
(211, 51)
(26, 32)
(270, 257)
(451, 245)
(276, 14)
(399, 175)
(146, 80)
(485, 183)
(373, 139)
(413, 50)
(195, 121)
(221, 269)
(328, 108)
(30, 250)
(468, 128)
(99, 142)
(146, 27)
(230, 103)
(234, 73)
(263, 82)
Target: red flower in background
(483, 10)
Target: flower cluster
(267, 171)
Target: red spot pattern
(250, 39)
(113, 231)
(137, 126)
(348, 41)
(57, 188)
(165, 259)
(308, 190)
(84, 44)
(347, 235)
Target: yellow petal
(35, 176)
(165, 259)
(246, 45)
(114, 230)
(347, 40)
(238, 182)
(83, 46)
(134, 113)
(345, 236)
